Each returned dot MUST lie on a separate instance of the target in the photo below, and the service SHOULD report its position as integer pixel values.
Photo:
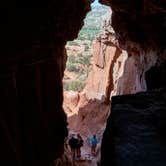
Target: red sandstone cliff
(118, 69)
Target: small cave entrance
(83, 113)
(155, 77)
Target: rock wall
(108, 63)
(140, 21)
(32, 61)
(135, 128)
(135, 132)
(133, 79)
(119, 67)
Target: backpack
(93, 142)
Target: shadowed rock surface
(32, 61)
(140, 21)
(155, 77)
(135, 132)
(135, 129)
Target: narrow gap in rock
(86, 115)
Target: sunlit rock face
(108, 63)
(116, 70)
(98, 78)
(133, 78)
(130, 44)
(32, 58)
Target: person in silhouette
(93, 143)
(79, 145)
(73, 146)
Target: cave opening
(84, 114)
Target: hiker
(93, 143)
(73, 146)
(79, 145)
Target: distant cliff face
(108, 63)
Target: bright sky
(96, 3)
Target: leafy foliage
(73, 43)
(88, 33)
(72, 67)
(71, 59)
(74, 85)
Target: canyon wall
(105, 59)
(119, 67)
(134, 133)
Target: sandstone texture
(134, 133)
(119, 68)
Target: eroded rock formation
(108, 61)
(140, 21)
(120, 61)
(140, 31)
(32, 58)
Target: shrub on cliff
(72, 67)
(74, 85)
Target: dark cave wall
(140, 21)
(32, 60)
(135, 128)
(31, 114)
(135, 132)
(155, 77)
